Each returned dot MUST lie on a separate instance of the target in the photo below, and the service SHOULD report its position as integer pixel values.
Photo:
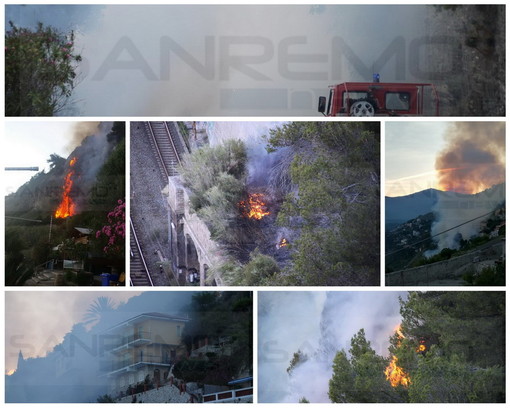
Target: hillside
(38, 238)
(446, 221)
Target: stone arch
(192, 260)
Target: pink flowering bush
(114, 232)
(40, 70)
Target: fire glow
(283, 243)
(395, 374)
(67, 206)
(255, 207)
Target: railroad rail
(139, 272)
(167, 145)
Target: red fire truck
(380, 98)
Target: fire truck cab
(380, 98)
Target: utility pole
(51, 224)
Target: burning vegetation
(254, 207)
(84, 189)
(67, 207)
(395, 374)
(440, 355)
(315, 185)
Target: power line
(23, 219)
(439, 233)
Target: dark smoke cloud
(474, 159)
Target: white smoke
(253, 135)
(71, 372)
(318, 324)
(459, 215)
(236, 60)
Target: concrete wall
(449, 269)
(189, 226)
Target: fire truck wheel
(362, 108)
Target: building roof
(149, 316)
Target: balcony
(133, 364)
(127, 342)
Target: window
(398, 100)
(353, 96)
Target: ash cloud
(471, 168)
(474, 158)
(318, 324)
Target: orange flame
(395, 375)
(283, 243)
(255, 207)
(67, 206)
(421, 348)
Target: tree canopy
(450, 346)
(334, 198)
(40, 70)
(219, 316)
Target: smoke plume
(80, 131)
(74, 370)
(474, 159)
(458, 216)
(252, 134)
(472, 171)
(318, 324)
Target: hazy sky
(411, 150)
(36, 321)
(227, 60)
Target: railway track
(139, 272)
(167, 145)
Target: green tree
(98, 309)
(13, 256)
(40, 70)
(215, 177)
(360, 378)
(297, 358)
(463, 360)
(56, 161)
(333, 195)
(226, 315)
(452, 380)
(341, 385)
(261, 270)
(468, 324)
